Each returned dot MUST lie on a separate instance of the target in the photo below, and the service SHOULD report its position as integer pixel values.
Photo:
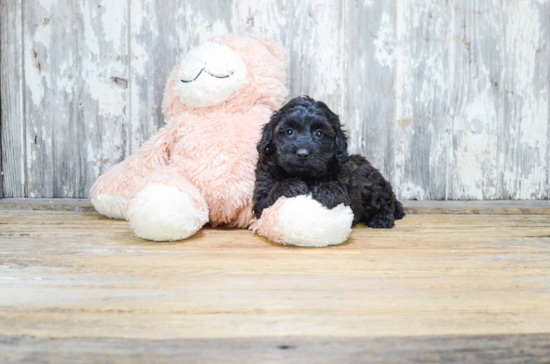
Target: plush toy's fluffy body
(200, 167)
(308, 190)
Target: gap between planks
(493, 207)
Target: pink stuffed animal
(200, 167)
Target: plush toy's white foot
(164, 213)
(302, 221)
(110, 205)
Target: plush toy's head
(228, 73)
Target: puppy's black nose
(302, 153)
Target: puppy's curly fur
(303, 150)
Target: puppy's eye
(319, 134)
(289, 132)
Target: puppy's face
(304, 142)
(306, 138)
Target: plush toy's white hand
(166, 207)
(112, 206)
(302, 221)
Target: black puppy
(303, 151)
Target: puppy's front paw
(330, 195)
(382, 221)
(293, 187)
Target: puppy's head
(305, 137)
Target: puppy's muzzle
(302, 153)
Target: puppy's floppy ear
(341, 146)
(340, 139)
(265, 145)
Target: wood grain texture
(316, 47)
(475, 105)
(12, 131)
(54, 204)
(419, 134)
(49, 62)
(316, 62)
(102, 90)
(525, 87)
(502, 207)
(449, 99)
(75, 67)
(76, 282)
(509, 349)
(153, 47)
(371, 64)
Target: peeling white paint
(43, 35)
(108, 97)
(203, 28)
(47, 4)
(66, 81)
(526, 103)
(385, 42)
(258, 17)
(33, 78)
(113, 18)
(487, 71)
(140, 57)
(411, 191)
(88, 14)
(475, 174)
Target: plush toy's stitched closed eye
(203, 70)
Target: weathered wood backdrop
(449, 98)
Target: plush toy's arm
(303, 221)
(110, 192)
(268, 190)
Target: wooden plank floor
(78, 287)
